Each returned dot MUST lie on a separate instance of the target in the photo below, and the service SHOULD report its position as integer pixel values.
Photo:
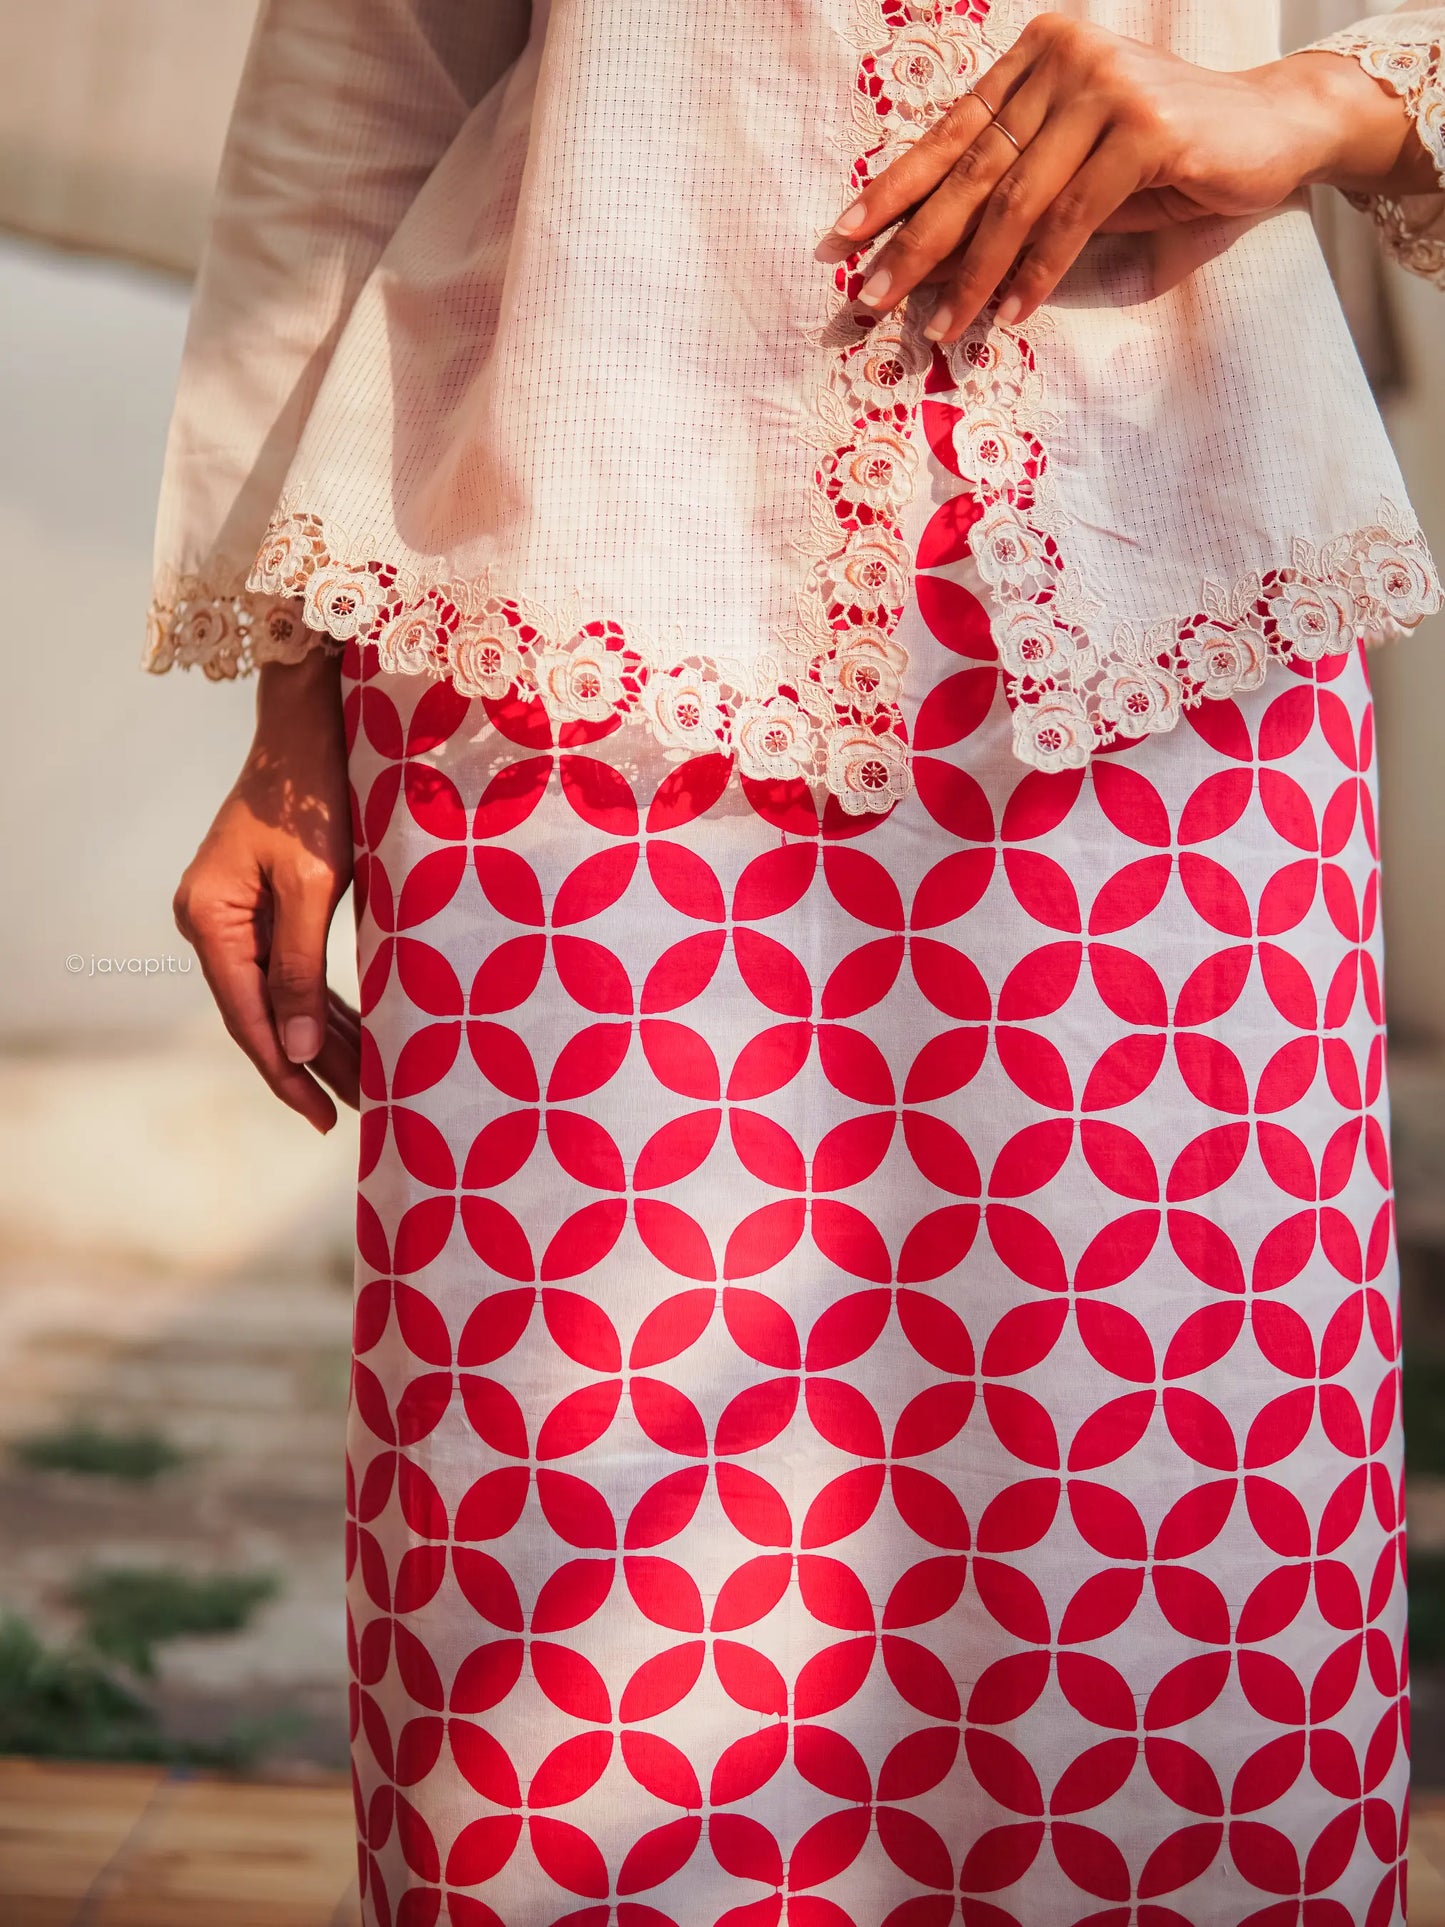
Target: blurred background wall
(175, 1263)
(174, 1248)
(112, 121)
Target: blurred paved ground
(222, 1321)
(248, 1374)
(129, 1847)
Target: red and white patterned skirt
(876, 1391)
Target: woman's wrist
(316, 674)
(1354, 132)
(258, 898)
(298, 694)
(297, 756)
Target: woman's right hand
(257, 899)
(1078, 130)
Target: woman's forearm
(298, 745)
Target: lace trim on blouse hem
(1412, 61)
(1072, 696)
(1069, 696)
(215, 624)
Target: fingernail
(939, 326)
(301, 1037)
(875, 287)
(851, 219)
(1009, 310)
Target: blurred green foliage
(1423, 1403)
(134, 1456)
(129, 1610)
(1427, 1608)
(65, 1703)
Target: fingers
(1100, 188)
(1047, 189)
(216, 912)
(908, 180)
(338, 1064)
(343, 1016)
(302, 904)
(1055, 145)
(958, 202)
(916, 172)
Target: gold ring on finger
(1001, 129)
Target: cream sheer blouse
(510, 359)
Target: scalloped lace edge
(1069, 696)
(824, 704)
(1412, 61)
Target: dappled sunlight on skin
(280, 792)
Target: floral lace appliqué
(1074, 688)
(217, 626)
(1411, 59)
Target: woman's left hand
(1077, 131)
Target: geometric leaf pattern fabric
(876, 1398)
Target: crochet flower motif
(1072, 696)
(1411, 59)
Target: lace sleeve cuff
(1410, 57)
(225, 634)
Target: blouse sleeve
(343, 111)
(1406, 49)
